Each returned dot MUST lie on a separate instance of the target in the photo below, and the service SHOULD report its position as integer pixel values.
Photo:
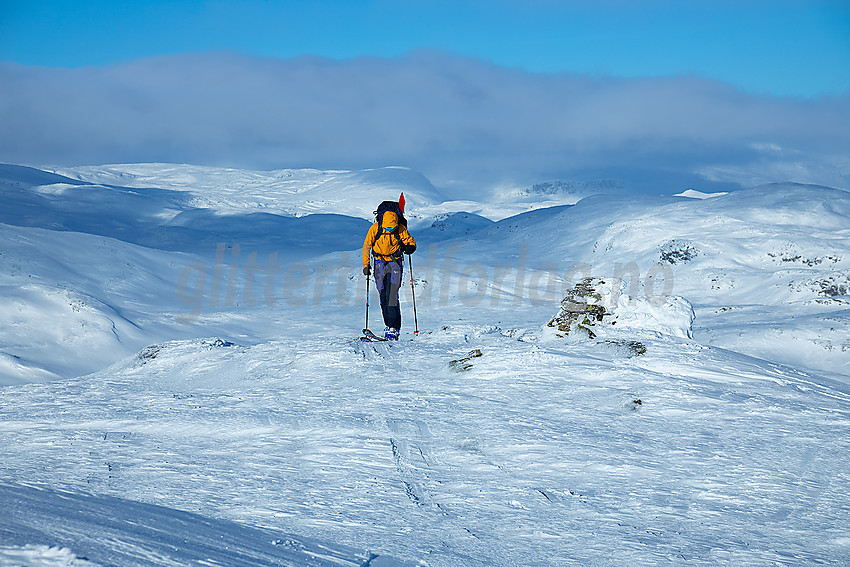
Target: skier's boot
(391, 334)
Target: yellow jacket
(386, 246)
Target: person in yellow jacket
(386, 243)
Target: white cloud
(453, 118)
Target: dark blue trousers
(388, 281)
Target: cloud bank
(460, 121)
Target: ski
(371, 337)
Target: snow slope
(172, 361)
(115, 531)
(539, 453)
(301, 192)
(767, 269)
(167, 219)
(293, 192)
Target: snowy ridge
(293, 192)
(693, 194)
(298, 192)
(167, 354)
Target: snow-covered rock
(602, 307)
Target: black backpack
(394, 207)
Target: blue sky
(778, 47)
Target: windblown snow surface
(184, 383)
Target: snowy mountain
(183, 382)
(286, 192)
(751, 262)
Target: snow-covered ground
(299, 192)
(116, 531)
(184, 383)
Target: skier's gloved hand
(408, 248)
(367, 270)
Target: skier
(387, 241)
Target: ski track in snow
(369, 444)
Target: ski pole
(413, 294)
(367, 302)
